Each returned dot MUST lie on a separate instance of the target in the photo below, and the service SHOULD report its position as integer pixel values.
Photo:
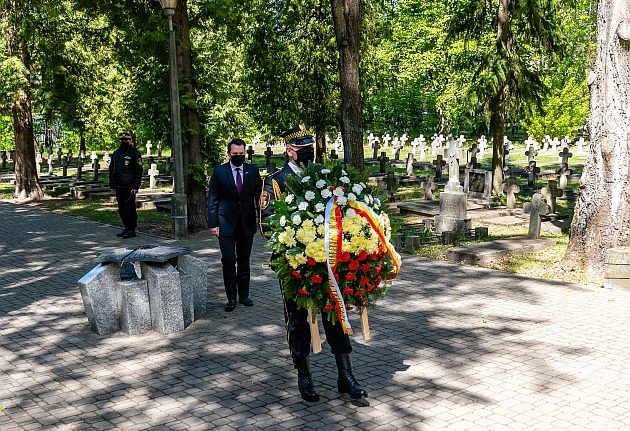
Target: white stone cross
(531, 154)
(428, 186)
(403, 140)
(510, 188)
(554, 144)
(153, 172)
(106, 159)
(386, 138)
(564, 155)
(535, 208)
(38, 163)
(551, 192)
(94, 157)
(530, 143)
(149, 145)
(51, 165)
(453, 162)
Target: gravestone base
(452, 216)
(617, 271)
(166, 295)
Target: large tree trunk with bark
(347, 20)
(191, 127)
(27, 186)
(602, 214)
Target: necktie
(239, 181)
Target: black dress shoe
(129, 234)
(246, 302)
(231, 305)
(121, 234)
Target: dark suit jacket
(226, 208)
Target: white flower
(366, 199)
(289, 199)
(309, 195)
(344, 173)
(351, 213)
(342, 200)
(283, 221)
(338, 192)
(320, 184)
(306, 179)
(377, 203)
(326, 193)
(325, 171)
(296, 219)
(352, 197)
(357, 188)
(319, 219)
(362, 184)
(320, 207)
(344, 180)
(302, 206)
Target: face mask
(305, 155)
(237, 160)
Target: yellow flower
(296, 260)
(307, 233)
(315, 249)
(287, 237)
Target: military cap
(297, 137)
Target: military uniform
(296, 319)
(125, 175)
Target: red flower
(364, 281)
(349, 308)
(373, 256)
(378, 281)
(364, 301)
(328, 307)
(336, 277)
(302, 292)
(350, 276)
(345, 256)
(371, 288)
(296, 274)
(332, 187)
(365, 267)
(354, 265)
(363, 255)
(378, 269)
(316, 279)
(311, 261)
(347, 291)
(359, 292)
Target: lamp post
(179, 213)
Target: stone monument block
(193, 279)
(100, 291)
(617, 274)
(135, 313)
(452, 215)
(165, 298)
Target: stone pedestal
(617, 273)
(100, 290)
(192, 276)
(452, 216)
(135, 313)
(165, 298)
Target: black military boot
(346, 383)
(307, 388)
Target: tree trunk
(194, 180)
(320, 97)
(347, 20)
(602, 214)
(27, 186)
(443, 123)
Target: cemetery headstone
(149, 145)
(452, 216)
(546, 142)
(532, 171)
(375, 147)
(410, 164)
(268, 154)
(535, 208)
(531, 154)
(564, 173)
(51, 164)
(564, 156)
(483, 145)
(250, 153)
(438, 164)
(554, 144)
(478, 182)
(511, 188)
(153, 172)
(38, 163)
(474, 151)
(383, 162)
(159, 148)
(59, 154)
(551, 192)
(79, 168)
(64, 166)
(386, 138)
(428, 186)
(256, 141)
(580, 145)
(94, 158)
(106, 160)
(333, 155)
(95, 169)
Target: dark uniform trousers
(127, 208)
(296, 319)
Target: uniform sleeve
(137, 171)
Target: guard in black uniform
(299, 149)
(125, 175)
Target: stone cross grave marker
(94, 158)
(383, 162)
(3, 156)
(79, 168)
(403, 140)
(453, 162)
(64, 166)
(149, 145)
(511, 188)
(530, 143)
(564, 156)
(580, 145)
(422, 145)
(410, 164)
(532, 171)
(564, 173)
(438, 164)
(546, 141)
(59, 154)
(483, 144)
(474, 151)
(51, 164)
(250, 153)
(554, 144)
(375, 147)
(535, 208)
(386, 138)
(106, 159)
(95, 167)
(69, 154)
(268, 154)
(396, 147)
(153, 172)
(551, 192)
(531, 154)
(38, 163)
(159, 148)
(565, 142)
(256, 141)
(391, 184)
(428, 186)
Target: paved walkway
(453, 348)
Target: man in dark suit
(233, 196)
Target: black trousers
(235, 253)
(127, 208)
(299, 332)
